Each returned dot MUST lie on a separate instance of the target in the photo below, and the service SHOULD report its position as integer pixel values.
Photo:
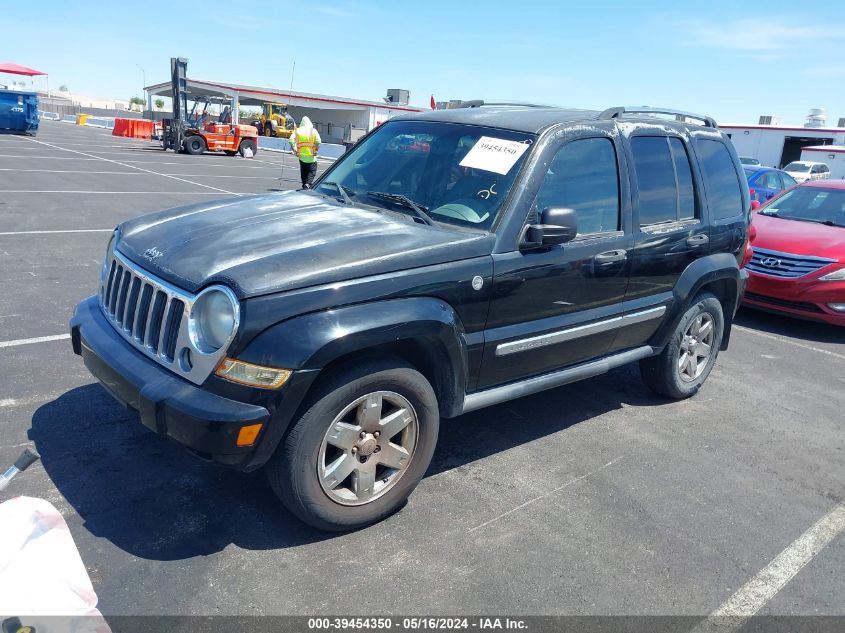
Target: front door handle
(697, 240)
(609, 257)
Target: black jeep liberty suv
(451, 260)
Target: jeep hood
(284, 241)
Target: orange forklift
(197, 132)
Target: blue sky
(733, 60)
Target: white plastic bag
(41, 572)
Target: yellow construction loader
(274, 120)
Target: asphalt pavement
(594, 498)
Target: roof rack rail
(680, 115)
(477, 103)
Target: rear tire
(195, 145)
(685, 363)
(268, 130)
(252, 144)
(332, 470)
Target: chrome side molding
(560, 336)
(526, 387)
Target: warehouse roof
(255, 95)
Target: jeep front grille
(785, 265)
(152, 315)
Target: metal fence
(67, 109)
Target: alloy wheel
(696, 347)
(367, 448)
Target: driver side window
(584, 176)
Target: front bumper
(799, 297)
(204, 422)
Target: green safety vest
(306, 145)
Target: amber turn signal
(252, 375)
(248, 434)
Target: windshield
(810, 204)
(797, 167)
(457, 174)
(748, 161)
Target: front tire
(362, 445)
(251, 144)
(195, 145)
(685, 363)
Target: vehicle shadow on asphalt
(486, 432)
(155, 501)
(789, 326)
(146, 494)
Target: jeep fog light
(839, 307)
(253, 375)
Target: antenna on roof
(292, 70)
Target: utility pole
(144, 85)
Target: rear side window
(724, 196)
(769, 180)
(664, 180)
(788, 180)
(683, 172)
(584, 176)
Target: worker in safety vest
(305, 141)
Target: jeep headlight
(836, 275)
(213, 319)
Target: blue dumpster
(18, 112)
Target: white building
(776, 145)
(336, 118)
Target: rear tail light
(748, 251)
(753, 193)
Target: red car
(798, 265)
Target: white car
(803, 170)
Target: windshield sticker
(494, 154)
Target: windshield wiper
(810, 220)
(344, 193)
(406, 202)
(825, 222)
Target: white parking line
(30, 341)
(266, 165)
(155, 193)
(134, 173)
(57, 231)
(145, 146)
(784, 339)
(73, 171)
(758, 591)
(108, 160)
(543, 496)
(47, 157)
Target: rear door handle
(697, 240)
(609, 257)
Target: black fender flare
(313, 341)
(722, 268)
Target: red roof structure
(17, 69)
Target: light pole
(144, 82)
